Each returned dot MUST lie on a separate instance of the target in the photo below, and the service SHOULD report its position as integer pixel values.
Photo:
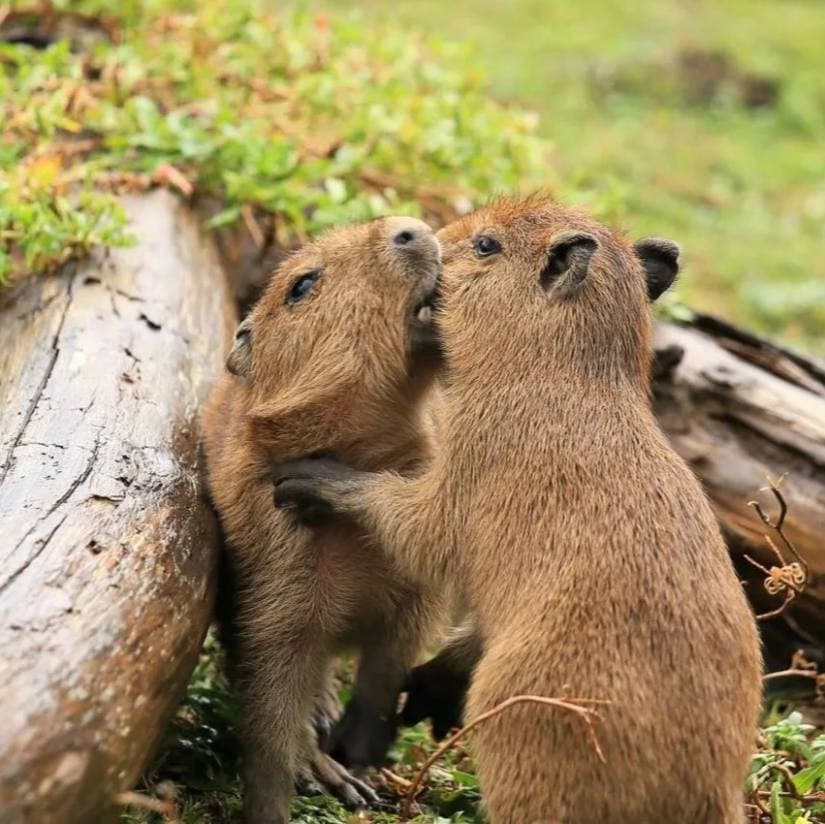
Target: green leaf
(811, 777)
(776, 807)
(252, 110)
(465, 779)
(224, 217)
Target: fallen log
(740, 409)
(109, 551)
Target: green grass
(743, 189)
(400, 89)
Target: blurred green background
(700, 120)
(696, 120)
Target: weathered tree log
(109, 551)
(739, 409)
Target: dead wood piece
(108, 558)
(740, 409)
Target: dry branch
(574, 705)
(800, 668)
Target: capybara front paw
(310, 487)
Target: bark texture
(109, 550)
(738, 409)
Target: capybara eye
(486, 245)
(302, 287)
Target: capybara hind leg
(368, 726)
(735, 812)
(275, 706)
(513, 792)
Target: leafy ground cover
(197, 768)
(313, 119)
(703, 122)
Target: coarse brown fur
(331, 372)
(587, 551)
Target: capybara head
(527, 283)
(337, 336)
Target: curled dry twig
(574, 705)
(758, 802)
(790, 577)
(400, 783)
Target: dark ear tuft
(660, 260)
(568, 262)
(239, 359)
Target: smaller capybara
(585, 547)
(336, 357)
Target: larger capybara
(584, 545)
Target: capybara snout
(416, 247)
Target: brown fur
(333, 373)
(588, 553)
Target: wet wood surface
(108, 552)
(739, 409)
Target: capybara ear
(568, 262)
(660, 260)
(239, 360)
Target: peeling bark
(109, 550)
(739, 408)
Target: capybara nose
(408, 232)
(404, 237)
(413, 239)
